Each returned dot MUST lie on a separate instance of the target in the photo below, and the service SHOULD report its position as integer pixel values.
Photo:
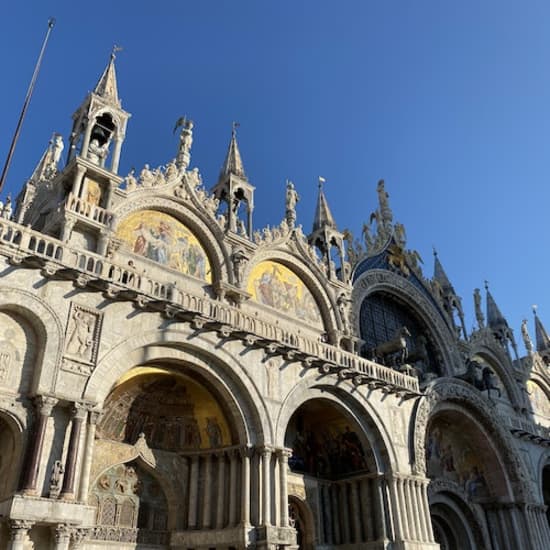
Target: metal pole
(51, 23)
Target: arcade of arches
(173, 377)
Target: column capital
(284, 454)
(246, 452)
(95, 416)
(62, 532)
(79, 410)
(45, 404)
(19, 528)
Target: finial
(434, 250)
(534, 307)
(234, 126)
(114, 51)
(486, 283)
(321, 181)
(51, 22)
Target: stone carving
(8, 354)
(526, 338)
(146, 177)
(56, 478)
(7, 209)
(240, 260)
(344, 308)
(186, 141)
(96, 152)
(131, 181)
(83, 329)
(292, 199)
(477, 305)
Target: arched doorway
(467, 481)
(301, 519)
(179, 457)
(10, 453)
(333, 466)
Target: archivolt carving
(218, 255)
(461, 393)
(380, 280)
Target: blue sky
(449, 102)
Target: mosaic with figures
(276, 286)
(163, 239)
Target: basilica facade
(173, 377)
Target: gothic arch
(359, 409)
(222, 370)
(325, 302)
(461, 394)
(382, 281)
(217, 254)
(49, 331)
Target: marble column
(68, 489)
(367, 508)
(220, 507)
(355, 512)
(425, 537)
(19, 530)
(266, 486)
(207, 477)
(335, 514)
(77, 182)
(62, 537)
(93, 419)
(427, 515)
(284, 455)
(327, 517)
(44, 407)
(193, 492)
(233, 502)
(116, 153)
(245, 486)
(396, 510)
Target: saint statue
(292, 199)
(526, 338)
(477, 304)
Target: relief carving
(82, 337)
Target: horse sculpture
(482, 378)
(396, 347)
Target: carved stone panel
(82, 339)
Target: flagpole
(51, 23)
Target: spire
(495, 319)
(441, 277)
(542, 339)
(233, 163)
(323, 217)
(106, 86)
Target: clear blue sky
(449, 102)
